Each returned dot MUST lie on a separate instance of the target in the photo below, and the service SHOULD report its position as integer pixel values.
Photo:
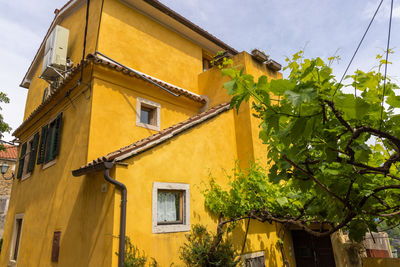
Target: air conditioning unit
(55, 53)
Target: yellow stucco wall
(103, 118)
(380, 262)
(114, 110)
(145, 45)
(52, 200)
(209, 148)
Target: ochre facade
(99, 116)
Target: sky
(278, 27)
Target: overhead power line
(359, 44)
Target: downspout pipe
(122, 227)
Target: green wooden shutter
(57, 135)
(32, 154)
(21, 161)
(48, 150)
(42, 145)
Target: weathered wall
(5, 191)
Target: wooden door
(312, 251)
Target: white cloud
(384, 11)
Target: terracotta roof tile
(11, 152)
(175, 89)
(151, 141)
(100, 61)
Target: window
(207, 59)
(171, 207)
(256, 259)
(206, 64)
(148, 114)
(27, 158)
(16, 238)
(50, 141)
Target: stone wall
(5, 191)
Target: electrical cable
(358, 47)
(386, 63)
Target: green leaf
(362, 107)
(278, 87)
(393, 101)
(282, 201)
(230, 87)
(298, 129)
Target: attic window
(148, 114)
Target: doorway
(311, 251)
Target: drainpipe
(122, 188)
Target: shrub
(198, 251)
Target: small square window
(171, 207)
(148, 114)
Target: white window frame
(252, 255)
(171, 228)
(11, 261)
(153, 105)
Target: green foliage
(334, 152)
(198, 252)
(4, 127)
(133, 257)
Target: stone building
(9, 157)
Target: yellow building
(144, 109)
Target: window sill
(148, 126)
(170, 228)
(26, 176)
(49, 164)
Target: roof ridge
(152, 140)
